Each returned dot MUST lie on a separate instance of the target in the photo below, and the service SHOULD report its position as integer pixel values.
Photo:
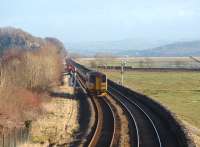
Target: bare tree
(25, 74)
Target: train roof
(96, 72)
(84, 69)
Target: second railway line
(104, 128)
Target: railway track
(146, 128)
(133, 126)
(150, 124)
(143, 131)
(106, 125)
(149, 130)
(105, 128)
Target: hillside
(19, 39)
(137, 47)
(185, 48)
(114, 47)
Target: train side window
(92, 78)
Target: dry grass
(59, 122)
(33, 145)
(24, 77)
(196, 140)
(194, 132)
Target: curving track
(147, 127)
(150, 130)
(106, 124)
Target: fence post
(27, 133)
(20, 135)
(3, 139)
(15, 137)
(28, 125)
(8, 138)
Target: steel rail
(132, 117)
(149, 118)
(100, 118)
(104, 119)
(115, 122)
(98, 128)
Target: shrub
(23, 76)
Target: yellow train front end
(96, 83)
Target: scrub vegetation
(25, 77)
(59, 122)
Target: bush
(23, 76)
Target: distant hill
(19, 39)
(114, 47)
(137, 47)
(186, 48)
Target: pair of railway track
(106, 128)
(143, 130)
(146, 129)
(150, 125)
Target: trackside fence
(13, 137)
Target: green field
(179, 91)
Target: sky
(104, 20)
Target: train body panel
(93, 81)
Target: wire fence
(13, 137)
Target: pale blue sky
(103, 20)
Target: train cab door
(98, 83)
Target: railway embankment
(173, 123)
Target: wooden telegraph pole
(123, 63)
